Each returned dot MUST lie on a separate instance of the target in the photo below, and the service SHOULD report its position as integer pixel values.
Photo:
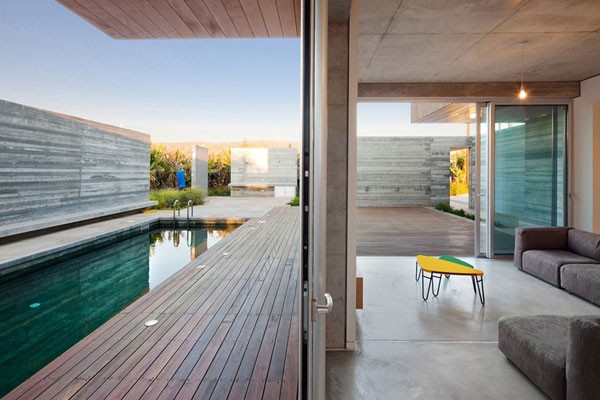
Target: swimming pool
(44, 313)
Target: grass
(445, 207)
(219, 191)
(166, 197)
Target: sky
(175, 90)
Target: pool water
(44, 313)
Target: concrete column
(200, 168)
(342, 90)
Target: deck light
(201, 266)
(34, 305)
(151, 322)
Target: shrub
(219, 191)
(445, 207)
(295, 202)
(166, 197)
(163, 167)
(457, 188)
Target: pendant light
(522, 92)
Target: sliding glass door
(530, 170)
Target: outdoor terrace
(227, 328)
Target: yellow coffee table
(436, 268)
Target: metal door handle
(325, 309)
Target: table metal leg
(418, 271)
(439, 278)
(473, 282)
(480, 289)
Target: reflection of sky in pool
(45, 312)
(172, 250)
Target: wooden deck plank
(228, 329)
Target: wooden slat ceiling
(177, 19)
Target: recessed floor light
(200, 266)
(151, 322)
(225, 254)
(34, 305)
(261, 222)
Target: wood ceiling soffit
(238, 17)
(255, 18)
(91, 18)
(287, 17)
(271, 17)
(174, 19)
(220, 13)
(159, 19)
(190, 18)
(203, 14)
(137, 13)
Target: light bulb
(522, 93)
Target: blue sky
(175, 90)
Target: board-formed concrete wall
(57, 169)
(200, 167)
(405, 171)
(257, 171)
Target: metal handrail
(175, 207)
(190, 204)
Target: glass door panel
(482, 171)
(530, 159)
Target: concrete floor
(409, 231)
(445, 348)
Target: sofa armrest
(548, 238)
(583, 358)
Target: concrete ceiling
(399, 40)
(478, 40)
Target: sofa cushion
(539, 238)
(585, 243)
(583, 363)
(582, 280)
(545, 264)
(537, 345)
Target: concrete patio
(445, 347)
(216, 210)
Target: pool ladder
(177, 207)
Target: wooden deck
(412, 231)
(228, 329)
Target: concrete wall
(406, 171)
(200, 167)
(256, 171)
(56, 169)
(583, 183)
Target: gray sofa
(561, 355)
(564, 257)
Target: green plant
(219, 170)
(219, 191)
(445, 207)
(163, 167)
(457, 188)
(295, 202)
(166, 197)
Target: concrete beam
(465, 90)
